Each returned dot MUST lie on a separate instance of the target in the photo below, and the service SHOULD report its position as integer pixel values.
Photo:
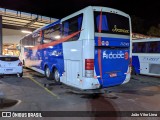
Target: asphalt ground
(142, 93)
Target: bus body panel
(53, 58)
(114, 49)
(114, 61)
(72, 52)
(146, 64)
(146, 57)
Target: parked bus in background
(146, 56)
(89, 49)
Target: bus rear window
(111, 23)
(9, 58)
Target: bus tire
(56, 75)
(48, 73)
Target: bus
(146, 56)
(89, 49)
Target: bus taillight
(89, 64)
(89, 68)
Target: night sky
(148, 10)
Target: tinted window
(112, 23)
(9, 58)
(36, 38)
(139, 47)
(71, 26)
(52, 33)
(146, 47)
(32, 39)
(153, 47)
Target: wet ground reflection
(101, 106)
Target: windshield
(112, 23)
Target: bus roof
(73, 14)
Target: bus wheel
(48, 73)
(56, 75)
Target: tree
(154, 31)
(138, 25)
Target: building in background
(14, 22)
(140, 36)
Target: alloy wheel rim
(56, 75)
(47, 72)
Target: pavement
(142, 93)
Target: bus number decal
(151, 59)
(124, 44)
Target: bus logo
(112, 55)
(115, 29)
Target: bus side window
(80, 22)
(141, 47)
(52, 33)
(37, 40)
(158, 50)
(153, 47)
(134, 48)
(71, 26)
(66, 29)
(28, 41)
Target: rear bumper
(4, 71)
(114, 81)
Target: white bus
(89, 49)
(146, 56)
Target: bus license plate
(113, 74)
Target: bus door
(72, 50)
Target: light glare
(25, 31)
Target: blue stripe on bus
(116, 42)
